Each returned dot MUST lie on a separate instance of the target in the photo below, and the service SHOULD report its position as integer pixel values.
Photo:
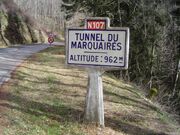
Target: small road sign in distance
(50, 39)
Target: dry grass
(46, 98)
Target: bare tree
(46, 12)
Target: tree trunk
(176, 78)
(151, 69)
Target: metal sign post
(98, 48)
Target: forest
(154, 60)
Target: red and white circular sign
(50, 39)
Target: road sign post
(94, 111)
(98, 48)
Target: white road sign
(97, 47)
(108, 48)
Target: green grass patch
(45, 98)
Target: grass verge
(46, 98)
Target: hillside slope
(45, 98)
(16, 27)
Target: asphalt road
(10, 58)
